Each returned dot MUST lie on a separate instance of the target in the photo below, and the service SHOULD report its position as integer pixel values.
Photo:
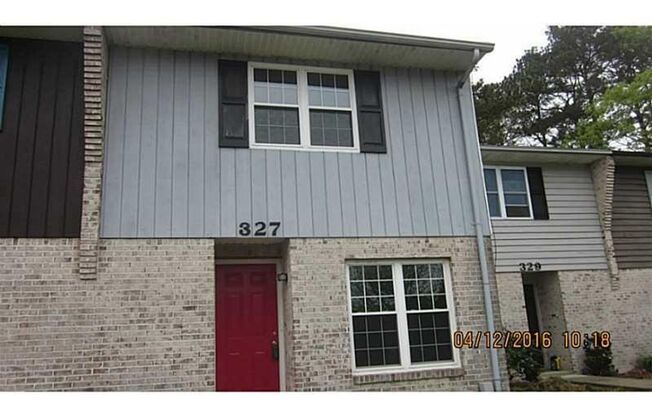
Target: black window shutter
(370, 112)
(233, 104)
(537, 194)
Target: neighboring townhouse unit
(554, 231)
(263, 208)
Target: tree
(623, 115)
(553, 89)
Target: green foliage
(598, 361)
(623, 114)
(526, 363)
(553, 96)
(646, 363)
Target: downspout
(477, 223)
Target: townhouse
(241, 208)
(571, 233)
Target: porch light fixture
(282, 277)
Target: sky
(510, 41)
(512, 25)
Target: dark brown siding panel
(41, 165)
(9, 135)
(75, 172)
(632, 219)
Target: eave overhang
(497, 155)
(357, 48)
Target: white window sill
(304, 149)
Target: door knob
(275, 351)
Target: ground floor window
(401, 315)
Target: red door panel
(246, 326)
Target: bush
(526, 363)
(646, 363)
(598, 361)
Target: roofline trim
(369, 36)
(545, 150)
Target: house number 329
(259, 229)
(530, 267)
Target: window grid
(434, 333)
(501, 193)
(335, 139)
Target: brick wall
(319, 340)
(590, 303)
(512, 301)
(603, 175)
(95, 64)
(145, 323)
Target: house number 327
(259, 229)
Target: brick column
(95, 62)
(603, 172)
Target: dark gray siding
(632, 219)
(41, 140)
(166, 176)
(570, 240)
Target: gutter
(477, 223)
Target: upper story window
(508, 192)
(401, 315)
(302, 107)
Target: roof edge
(372, 36)
(545, 150)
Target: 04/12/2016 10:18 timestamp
(526, 339)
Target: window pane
(273, 86)
(424, 286)
(494, 204)
(328, 90)
(260, 75)
(490, 180)
(516, 199)
(342, 82)
(375, 340)
(513, 180)
(429, 337)
(517, 212)
(277, 125)
(331, 128)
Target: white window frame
(303, 104)
(501, 195)
(401, 317)
(648, 181)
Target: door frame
(279, 309)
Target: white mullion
(401, 315)
(328, 108)
(501, 195)
(304, 110)
(527, 191)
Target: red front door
(247, 328)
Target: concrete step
(559, 374)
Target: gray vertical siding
(632, 219)
(165, 175)
(570, 240)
